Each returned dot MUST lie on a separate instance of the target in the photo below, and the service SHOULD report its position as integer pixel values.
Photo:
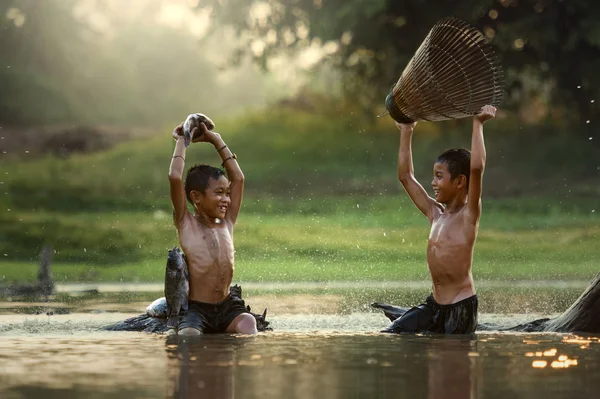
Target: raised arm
(176, 177)
(234, 173)
(406, 175)
(478, 161)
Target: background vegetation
(322, 199)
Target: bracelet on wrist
(233, 156)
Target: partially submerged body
(583, 316)
(454, 218)
(206, 236)
(155, 318)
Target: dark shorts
(456, 318)
(212, 318)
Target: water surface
(308, 356)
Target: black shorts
(212, 318)
(456, 318)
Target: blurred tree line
(55, 67)
(58, 68)
(550, 49)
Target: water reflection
(454, 368)
(50, 360)
(332, 366)
(202, 366)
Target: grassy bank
(351, 239)
(293, 155)
(322, 203)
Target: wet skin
(451, 239)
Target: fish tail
(173, 321)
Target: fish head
(175, 259)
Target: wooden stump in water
(43, 287)
(582, 316)
(45, 283)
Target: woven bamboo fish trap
(453, 74)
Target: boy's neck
(456, 204)
(206, 220)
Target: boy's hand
(204, 135)
(487, 112)
(406, 126)
(178, 132)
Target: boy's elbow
(174, 177)
(403, 178)
(477, 167)
(238, 178)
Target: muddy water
(307, 356)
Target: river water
(306, 356)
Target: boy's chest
(207, 246)
(450, 229)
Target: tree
(36, 60)
(549, 48)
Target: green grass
(322, 203)
(297, 155)
(352, 239)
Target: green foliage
(321, 202)
(560, 42)
(328, 239)
(58, 68)
(291, 154)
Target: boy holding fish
(206, 236)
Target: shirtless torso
(450, 255)
(206, 236)
(210, 258)
(454, 211)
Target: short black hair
(458, 161)
(198, 177)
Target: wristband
(233, 156)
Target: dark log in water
(582, 316)
(157, 322)
(42, 288)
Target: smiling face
(215, 200)
(444, 187)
